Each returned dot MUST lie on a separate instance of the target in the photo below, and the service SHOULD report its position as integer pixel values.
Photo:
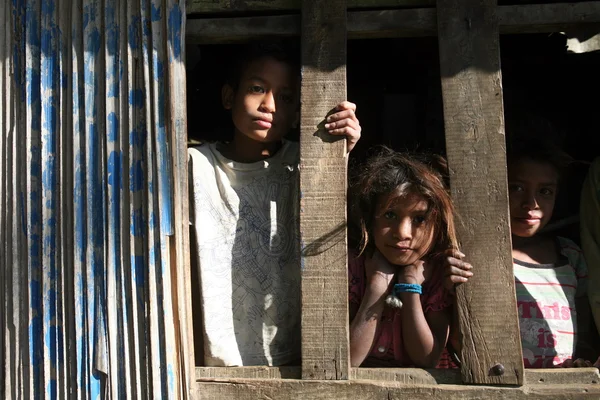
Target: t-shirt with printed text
(546, 302)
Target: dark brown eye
(256, 89)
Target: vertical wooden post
(473, 114)
(325, 351)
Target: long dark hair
(386, 172)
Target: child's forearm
(419, 339)
(364, 325)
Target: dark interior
(396, 86)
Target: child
(244, 215)
(406, 221)
(550, 271)
(590, 237)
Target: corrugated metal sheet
(90, 115)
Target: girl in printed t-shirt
(550, 271)
(400, 312)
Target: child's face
(265, 105)
(402, 230)
(532, 192)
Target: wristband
(393, 299)
(407, 288)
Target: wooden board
(325, 350)
(475, 145)
(404, 375)
(532, 18)
(415, 376)
(179, 243)
(231, 6)
(247, 389)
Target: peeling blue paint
(32, 77)
(114, 170)
(81, 156)
(112, 128)
(137, 223)
(136, 98)
(133, 29)
(138, 264)
(174, 27)
(47, 8)
(155, 13)
(136, 177)
(32, 27)
(93, 42)
(137, 137)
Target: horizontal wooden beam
(533, 18)
(236, 6)
(246, 389)
(580, 376)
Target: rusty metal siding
(90, 115)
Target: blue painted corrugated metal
(92, 129)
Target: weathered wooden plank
(180, 243)
(559, 376)
(230, 30)
(531, 18)
(229, 6)
(246, 389)
(415, 376)
(404, 375)
(542, 18)
(325, 351)
(249, 372)
(475, 145)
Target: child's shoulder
(203, 154)
(574, 254)
(567, 244)
(201, 149)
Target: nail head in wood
(497, 370)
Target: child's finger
(341, 115)
(581, 363)
(342, 123)
(458, 263)
(455, 253)
(457, 279)
(597, 363)
(346, 105)
(350, 132)
(567, 363)
(454, 271)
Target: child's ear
(227, 95)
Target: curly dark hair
(386, 172)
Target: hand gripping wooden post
(475, 143)
(325, 351)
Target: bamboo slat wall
(87, 116)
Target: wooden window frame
(468, 35)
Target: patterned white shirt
(245, 220)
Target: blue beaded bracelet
(407, 288)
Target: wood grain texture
(325, 353)
(232, 6)
(528, 18)
(475, 146)
(180, 242)
(559, 376)
(252, 389)
(415, 376)
(404, 375)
